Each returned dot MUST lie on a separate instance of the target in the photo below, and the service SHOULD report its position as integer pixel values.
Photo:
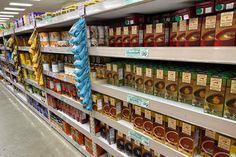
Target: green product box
(171, 79)
(159, 82)
(129, 79)
(139, 78)
(117, 74)
(109, 73)
(148, 80)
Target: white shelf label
(138, 101)
(131, 1)
(137, 52)
(139, 138)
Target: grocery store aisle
(23, 134)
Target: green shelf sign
(138, 101)
(137, 52)
(138, 137)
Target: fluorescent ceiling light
(6, 16)
(9, 12)
(15, 9)
(21, 4)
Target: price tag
(138, 137)
(138, 101)
(137, 52)
(131, 1)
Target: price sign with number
(138, 101)
(137, 52)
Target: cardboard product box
(147, 152)
(230, 99)
(89, 145)
(129, 145)
(100, 150)
(208, 142)
(118, 74)
(225, 146)
(225, 29)
(208, 31)
(186, 87)
(148, 122)
(136, 36)
(106, 105)
(148, 81)
(120, 141)
(109, 73)
(157, 154)
(189, 139)
(193, 35)
(162, 34)
(111, 38)
(223, 5)
(138, 118)
(137, 149)
(101, 32)
(184, 14)
(106, 31)
(118, 37)
(172, 132)
(159, 82)
(129, 79)
(126, 111)
(103, 130)
(149, 35)
(115, 108)
(199, 89)
(139, 78)
(172, 81)
(215, 96)
(80, 138)
(181, 33)
(94, 35)
(135, 19)
(205, 7)
(159, 127)
(111, 135)
(97, 102)
(173, 34)
(126, 36)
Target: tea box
(109, 73)
(181, 33)
(159, 82)
(230, 99)
(159, 127)
(148, 122)
(193, 34)
(186, 87)
(129, 79)
(136, 36)
(138, 118)
(148, 36)
(117, 74)
(137, 149)
(173, 34)
(126, 36)
(225, 29)
(199, 89)
(215, 95)
(225, 146)
(208, 143)
(147, 152)
(111, 135)
(171, 81)
(148, 81)
(111, 38)
(208, 31)
(172, 132)
(223, 5)
(115, 108)
(126, 111)
(120, 141)
(97, 102)
(139, 78)
(188, 139)
(106, 105)
(118, 37)
(205, 7)
(161, 34)
(129, 146)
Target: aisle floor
(23, 134)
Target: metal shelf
(183, 54)
(24, 29)
(23, 48)
(8, 32)
(55, 50)
(68, 100)
(60, 76)
(124, 127)
(181, 111)
(83, 128)
(33, 83)
(27, 67)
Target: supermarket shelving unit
(114, 9)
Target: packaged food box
(172, 132)
(171, 82)
(93, 31)
(189, 139)
(184, 14)
(54, 38)
(120, 141)
(129, 79)
(100, 151)
(103, 130)
(44, 39)
(97, 102)
(205, 7)
(111, 38)
(148, 80)
(89, 145)
(230, 99)
(137, 149)
(117, 74)
(109, 73)
(135, 19)
(129, 145)
(80, 138)
(106, 105)
(208, 30)
(161, 34)
(138, 118)
(111, 135)
(115, 108)
(148, 122)
(139, 78)
(225, 29)
(126, 36)
(118, 37)
(149, 35)
(159, 127)
(147, 151)
(199, 89)
(159, 82)
(126, 111)
(225, 146)
(193, 34)
(223, 5)
(181, 33)
(215, 95)
(173, 34)
(136, 36)
(186, 81)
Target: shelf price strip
(137, 52)
(138, 101)
(138, 137)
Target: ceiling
(42, 5)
